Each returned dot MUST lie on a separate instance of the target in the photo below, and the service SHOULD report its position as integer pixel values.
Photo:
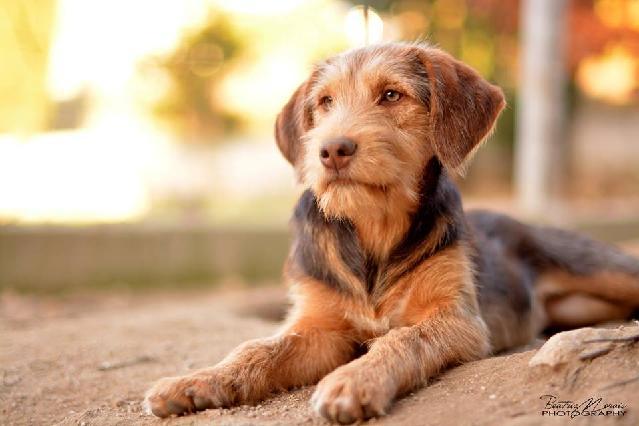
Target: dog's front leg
(301, 354)
(398, 362)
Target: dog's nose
(337, 153)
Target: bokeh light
(611, 76)
(363, 26)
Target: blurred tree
(195, 69)
(541, 125)
(25, 39)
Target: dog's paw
(346, 396)
(188, 394)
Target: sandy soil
(87, 360)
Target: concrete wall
(136, 255)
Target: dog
(391, 281)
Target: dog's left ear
(463, 106)
(292, 122)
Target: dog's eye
(326, 102)
(391, 96)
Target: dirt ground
(87, 360)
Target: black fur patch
(309, 221)
(439, 200)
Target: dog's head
(366, 122)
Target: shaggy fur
(391, 281)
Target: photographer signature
(589, 407)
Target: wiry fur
(384, 263)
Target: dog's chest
(375, 321)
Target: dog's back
(533, 277)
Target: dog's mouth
(342, 181)
(352, 179)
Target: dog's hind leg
(566, 307)
(576, 281)
(581, 281)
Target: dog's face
(363, 126)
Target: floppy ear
(292, 122)
(463, 106)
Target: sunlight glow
(96, 44)
(259, 7)
(72, 176)
(98, 173)
(618, 13)
(246, 90)
(610, 77)
(358, 31)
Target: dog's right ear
(292, 122)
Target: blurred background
(136, 137)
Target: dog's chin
(347, 198)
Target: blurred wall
(125, 256)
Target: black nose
(337, 153)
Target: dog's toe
(178, 408)
(158, 410)
(202, 403)
(345, 398)
(178, 396)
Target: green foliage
(195, 69)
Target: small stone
(568, 345)
(492, 396)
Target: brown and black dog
(391, 281)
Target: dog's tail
(580, 280)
